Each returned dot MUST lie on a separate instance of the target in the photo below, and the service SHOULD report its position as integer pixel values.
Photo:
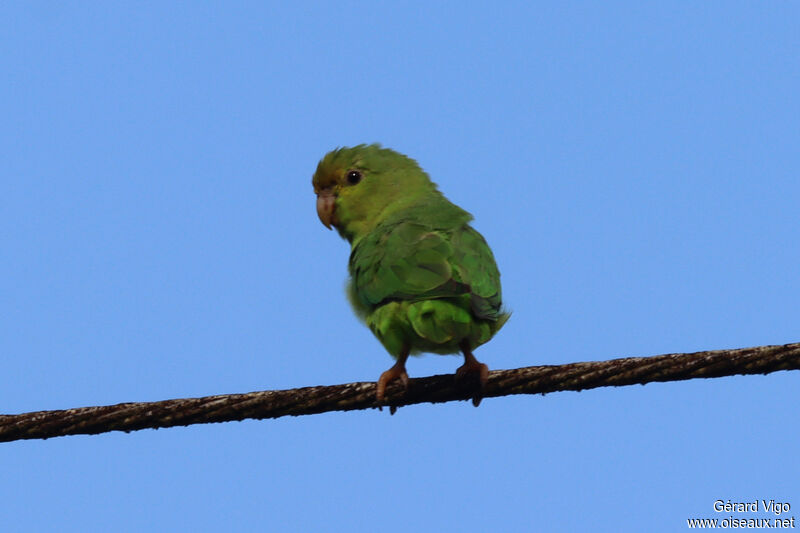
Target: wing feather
(412, 261)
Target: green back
(426, 251)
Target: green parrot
(421, 277)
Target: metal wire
(443, 388)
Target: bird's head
(359, 187)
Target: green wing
(413, 261)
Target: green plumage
(421, 277)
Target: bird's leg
(397, 371)
(470, 367)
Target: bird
(420, 276)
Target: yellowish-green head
(359, 187)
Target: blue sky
(635, 168)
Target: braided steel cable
(442, 388)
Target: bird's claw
(472, 367)
(387, 377)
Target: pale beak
(326, 206)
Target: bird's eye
(353, 177)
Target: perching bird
(421, 277)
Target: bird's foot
(398, 371)
(471, 369)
